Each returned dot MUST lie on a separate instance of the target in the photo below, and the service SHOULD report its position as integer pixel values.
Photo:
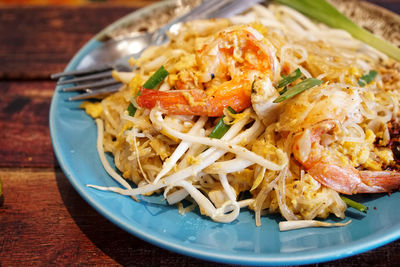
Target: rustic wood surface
(43, 221)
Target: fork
(95, 79)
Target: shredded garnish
(292, 225)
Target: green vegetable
(221, 128)
(298, 88)
(326, 13)
(281, 92)
(156, 78)
(151, 83)
(367, 78)
(354, 204)
(131, 110)
(289, 78)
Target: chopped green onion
(367, 78)
(289, 78)
(298, 88)
(221, 128)
(156, 78)
(151, 83)
(354, 204)
(131, 110)
(324, 12)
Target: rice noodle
(179, 151)
(269, 150)
(103, 159)
(233, 148)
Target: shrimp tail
(340, 177)
(349, 181)
(379, 181)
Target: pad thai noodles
(267, 110)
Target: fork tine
(87, 78)
(82, 71)
(91, 85)
(96, 93)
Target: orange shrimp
(198, 102)
(227, 65)
(339, 176)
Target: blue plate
(73, 135)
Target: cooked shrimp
(228, 63)
(335, 173)
(324, 102)
(262, 97)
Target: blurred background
(392, 5)
(74, 2)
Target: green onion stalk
(298, 88)
(324, 12)
(354, 204)
(221, 128)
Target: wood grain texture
(45, 222)
(28, 52)
(24, 131)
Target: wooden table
(43, 221)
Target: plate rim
(322, 255)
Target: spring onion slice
(156, 78)
(324, 12)
(289, 78)
(221, 128)
(367, 78)
(151, 83)
(354, 204)
(131, 110)
(298, 88)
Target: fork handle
(204, 10)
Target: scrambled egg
(93, 109)
(243, 180)
(135, 84)
(306, 197)
(366, 154)
(160, 148)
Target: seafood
(333, 172)
(262, 97)
(304, 130)
(228, 64)
(324, 102)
